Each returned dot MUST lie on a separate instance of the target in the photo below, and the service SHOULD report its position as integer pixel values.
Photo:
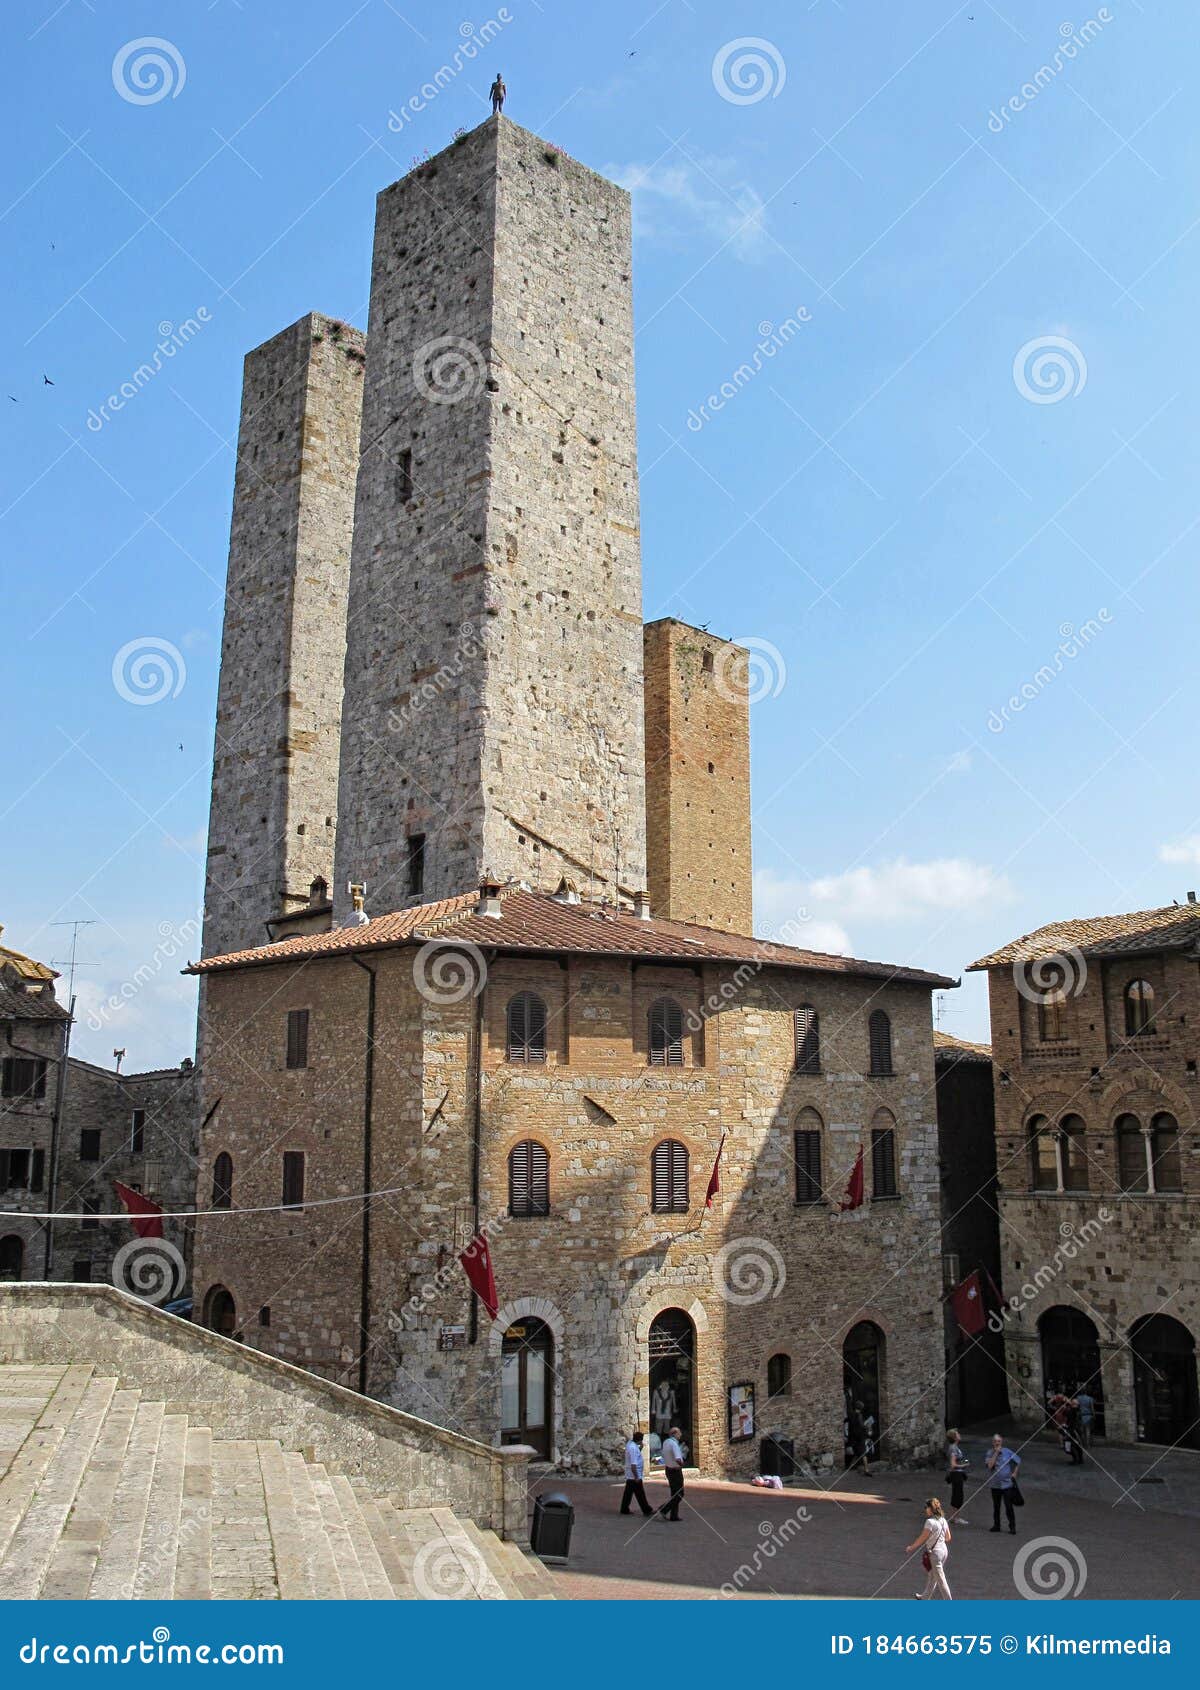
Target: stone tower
(492, 717)
(697, 777)
(275, 766)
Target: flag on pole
(854, 1189)
(714, 1179)
(967, 1302)
(476, 1262)
(147, 1216)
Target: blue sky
(912, 510)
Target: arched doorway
(673, 1379)
(862, 1383)
(220, 1312)
(527, 1386)
(12, 1257)
(1164, 1382)
(1071, 1358)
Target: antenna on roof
(84, 921)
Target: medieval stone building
(1096, 1041)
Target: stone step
(25, 1393)
(33, 1543)
(154, 1576)
(378, 1585)
(488, 1546)
(480, 1580)
(287, 1527)
(69, 1575)
(533, 1578)
(243, 1560)
(320, 1559)
(354, 1585)
(193, 1566)
(116, 1564)
(397, 1564)
(19, 1484)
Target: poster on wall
(741, 1413)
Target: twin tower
(434, 666)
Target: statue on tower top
(497, 92)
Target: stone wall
(27, 1123)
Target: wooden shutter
(808, 1041)
(222, 1191)
(297, 1038)
(880, 1036)
(37, 1177)
(293, 1179)
(528, 1179)
(526, 1038)
(669, 1178)
(883, 1161)
(666, 1033)
(808, 1165)
(137, 1132)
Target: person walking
(859, 1441)
(934, 1544)
(496, 94)
(1003, 1465)
(1086, 1403)
(956, 1476)
(672, 1460)
(635, 1473)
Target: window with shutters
(12, 1257)
(137, 1132)
(779, 1376)
(666, 1033)
(1164, 1153)
(1043, 1155)
(528, 1179)
(23, 1076)
(1131, 1155)
(669, 1178)
(297, 1038)
(806, 1141)
(14, 1169)
(222, 1186)
(526, 1041)
(883, 1156)
(879, 1036)
(808, 1041)
(1073, 1152)
(293, 1179)
(1052, 1016)
(89, 1144)
(415, 864)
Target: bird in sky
(46, 382)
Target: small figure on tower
(497, 92)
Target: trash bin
(553, 1518)
(778, 1456)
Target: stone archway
(534, 1313)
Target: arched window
(669, 1178)
(526, 1028)
(1052, 1016)
(12, 1257)
(883, 1155)
(808, 1040)
(1139, 1008)
(666, 1033)
(1131, 1154)
(222, 1186)
(220, 1312)
(1073, 1153)
(1043, 1155)
(879, 1033)
(528, 1179)
(1164, 1153)
(806, 1141)
(779, 1376)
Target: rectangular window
(297, 1038)
(37, 1177)
(808, 1166)
(293, 1179)
(23, 1076)
(416, 864)
(89, 1144)
(81, 1273)
(883, 1162)
(137, 1132)
(18, 1169)
(404, 479)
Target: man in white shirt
(672, 1460)
(634, 1476)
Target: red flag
(854, 1190)
(714, 1180)
(476, 1260)
(967, 1302)
(137, 1205)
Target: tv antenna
(75, 963)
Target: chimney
(358, 916)
(1191, 897)
(489, 898)
(566, 892)
(641, 905)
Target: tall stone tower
(492, 718)
(698, 777)
(275, 767)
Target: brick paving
(849, 1541)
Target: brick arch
(1053, 1105)
(874, 1315)
(1142, 1100)
(668, 1297)
(527, 1308)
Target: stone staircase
(104, 1494)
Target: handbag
(927, 1560)
(1018, 1501)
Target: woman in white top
(934, 1542)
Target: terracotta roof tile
(535, 922)
(945, 1044)
(1175, 927)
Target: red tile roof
(1174, 927)
(946, 1045)
(535, 922)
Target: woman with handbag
(934, 1544)
(956, 1475)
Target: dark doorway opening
(527, 1387)
(1071, 1358)
(673, 1380)
(862, 1387)
(1164, 1382)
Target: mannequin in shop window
(663, 1406)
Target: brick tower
(492, 716)
(275, 767)
(697, 777)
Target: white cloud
(672, 200)
(820, 914)
(1181, 850)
